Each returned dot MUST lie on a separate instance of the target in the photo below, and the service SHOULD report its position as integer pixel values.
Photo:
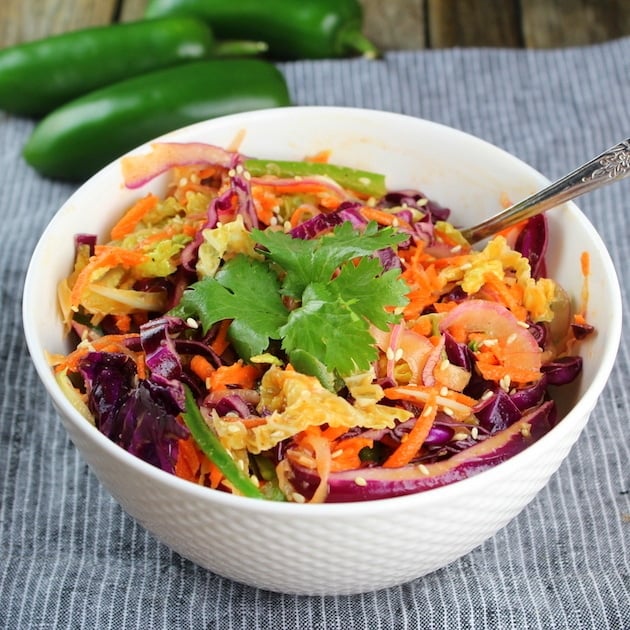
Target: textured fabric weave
(69, 556)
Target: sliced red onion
(381, 483)
(138, 169)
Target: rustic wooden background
(391, 24)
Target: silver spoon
(610, 166)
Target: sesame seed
(273, 221)
(465, 266)
(505, 381)
(526, 431)
(247, 175)
(241, 464)
(511, 339)
(398, 355)
(390, 354)
(233, 428)
(489, 342)
(444, 391)
(287, 226)
(474, 433)
(522, 324)
(423, 469)
(360, 481)
(231, 172)
(444, 366)
(371, 202)
(191, 323)
(194, 178)
(395, 222)
(448, 411)
(183, 181)
(428, 410)
(304, 461)
(255, 481)
(456, 249)
(460, 436)
(298, 498)
(487, 395)
(337, 453)
(239, 168)
(276, 435)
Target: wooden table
(391, 24)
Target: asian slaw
(295, 331)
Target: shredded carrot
(408, 448)
(585, 263)
(104, 256)
(313, 440)
(322, 157)
(133, 216)
(345, 453)
(329, 201)
(510, 296)
(516, 374)
(579, 319)
(444, 307)
(215, 475)
(221, 342)
(334, 433)
(188, 460)
(107, 343)
(382, 217)
(141, 365)
(235, 375)
(423, 326)
(253, 422)
(201, 367)
(265, 203)
(123, 323)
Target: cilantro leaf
(246, 291)
(369, 292)
(326, 327)
(315, 260)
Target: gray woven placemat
(70, 558)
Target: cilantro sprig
(337, 287)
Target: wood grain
(391, 24)
(395, 25)
(573, 22)
(25, 20)
(474, 23)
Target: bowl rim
(581, 409)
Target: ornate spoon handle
(610, 166)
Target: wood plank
(132, 10)
(395, 24)
(473, 23)
(25, 20)
(573, 22)
(391, 24)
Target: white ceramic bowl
(337, 548)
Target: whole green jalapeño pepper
(38, 76)
(293, 29)
(80, 137)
